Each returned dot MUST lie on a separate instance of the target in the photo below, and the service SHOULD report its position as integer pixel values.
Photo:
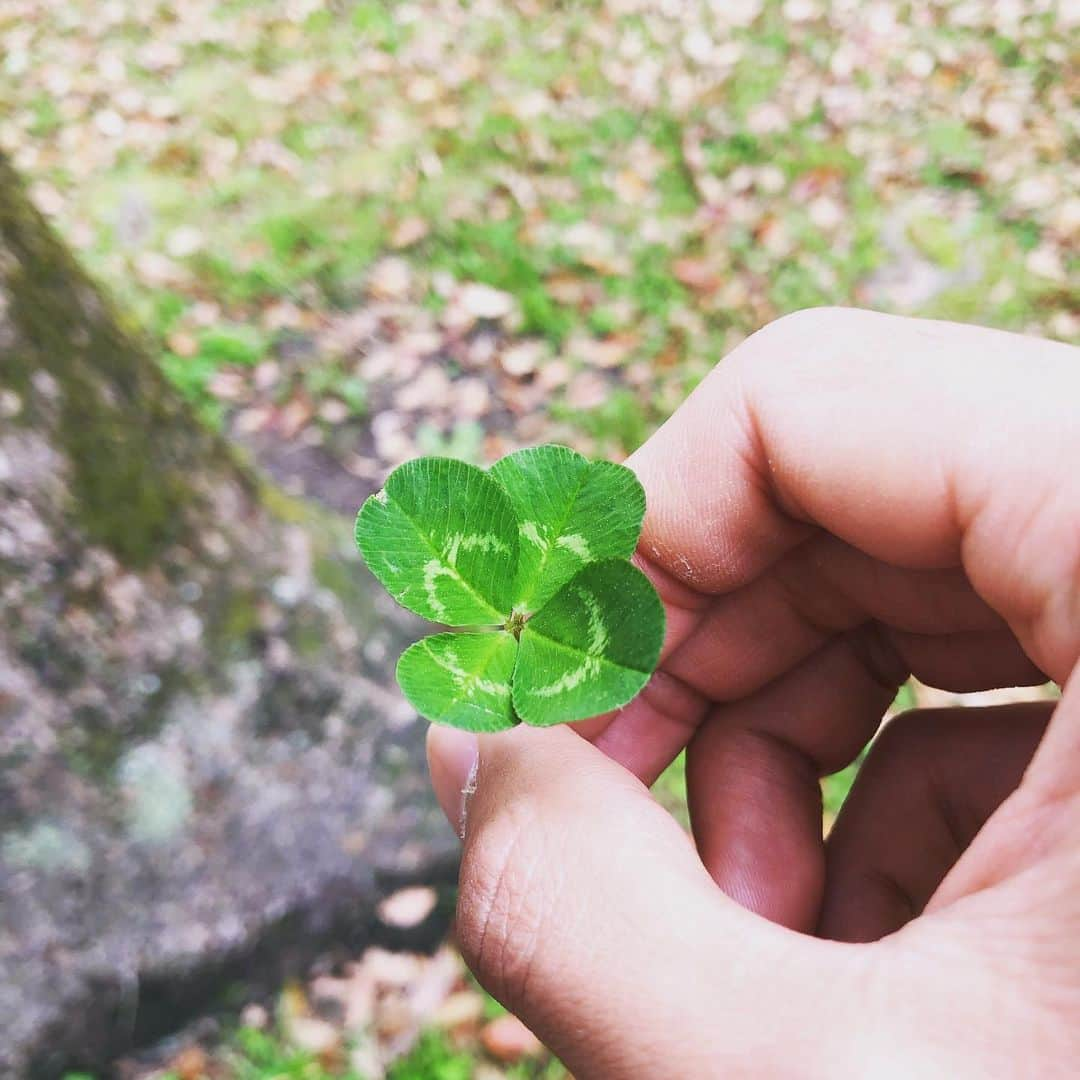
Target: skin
(849, 498)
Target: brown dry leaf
(522, 359)
(471, 399)
(392, 443)
(462, 1009)
(295, 415)
(508, 1040)
(483, 302)
(158, 270)
(697, 274)
(313, 1035)
(253, 420)
(183, 343)
(407, 907)
(409, 231)
(391, 969)
(815, 181)
(609, 352)
(587, 390)
(429, 390)
(630, 187)
(229, 385)
(568, 288)
(390, 279)
(334, 411)
(192, 1063)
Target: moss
(285, 507)
(238, 620)
(132, 447)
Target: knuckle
(906, 739)
(501, 914)
(815, 326)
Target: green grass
(313, 181)
(218, 348)
(670, 788)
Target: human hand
(848, 499)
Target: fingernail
(453, 760)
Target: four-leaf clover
(532, 557)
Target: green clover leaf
(442, 537)
(570, 511)
(538, 550)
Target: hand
(848, 499)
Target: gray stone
(207, 776)
(189, 800)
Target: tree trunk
(203, 773)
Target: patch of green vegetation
(263, 1055)
(670, 790)
(433, 1058)
(795, 286)
(619, 425)
(374, 20)
(1006, 50)
(836, 788)
(218, 347)
(463, 441)
(651, 285)
(46, 116)
(757, 76)
(955, 154)
(335, 379)
(493, 252)
(933, 235)
(329, 243)
(678, 196)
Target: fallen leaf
(409, 231)
(697, 274)
(407, 907)
(508, 1040)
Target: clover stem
(516, 622)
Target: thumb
(585, 909)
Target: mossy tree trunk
(70, 370)
(197, 738)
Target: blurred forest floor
(364, 230)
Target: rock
(208, 778)
(508, 1040)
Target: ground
(362, 230)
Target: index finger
(924, 444)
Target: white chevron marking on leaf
(577, 544)
(590, 667)
(531, 533)
(433, 570)
(572, 679)
(465, 680)
(598, 634)
(468, 542)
